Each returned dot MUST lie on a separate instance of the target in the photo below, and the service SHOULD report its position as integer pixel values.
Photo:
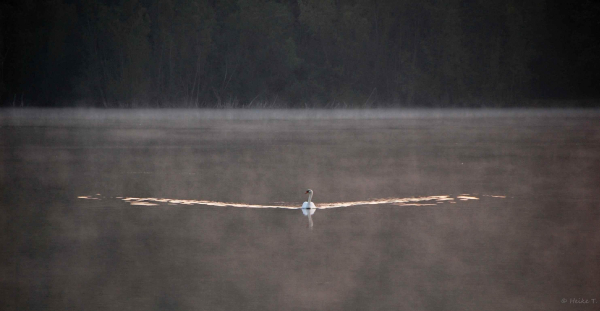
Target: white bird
(309, 208)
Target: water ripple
(413, 201)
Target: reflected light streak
(466, 197)
(87, 197)
(414, 201)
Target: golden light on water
(87, 197)
(414, 201)
(466, 197)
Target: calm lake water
(125, 210)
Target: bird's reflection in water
(308, 208)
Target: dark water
(529, 240)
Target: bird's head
(309, 191)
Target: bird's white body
(308, 206)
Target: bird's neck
(309, 197)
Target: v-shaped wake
(413, 201)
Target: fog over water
(199, 209)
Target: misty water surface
(198, 210)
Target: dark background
(291, 53)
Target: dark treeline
(188, 53)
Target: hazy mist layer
(529, 240)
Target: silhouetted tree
(192, 53)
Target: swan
(309, 208)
